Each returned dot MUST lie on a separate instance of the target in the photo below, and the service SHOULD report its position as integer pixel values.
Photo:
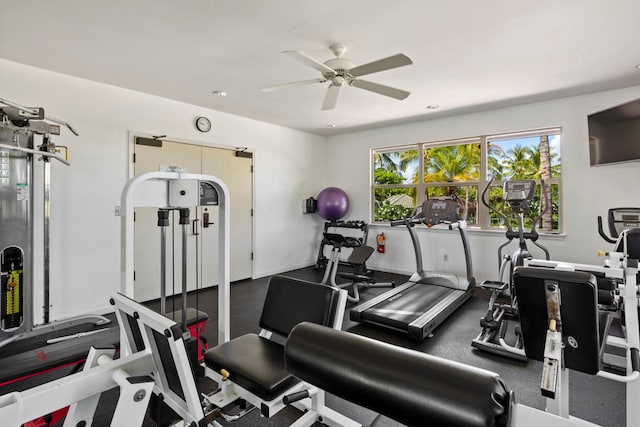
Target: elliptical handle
(602, 233)
(484, 202)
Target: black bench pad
(254, 363)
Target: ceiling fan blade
(300, 56)
(292, 84)
(380, 89)
(331, 97)
(394, 61)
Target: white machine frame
(153, 189)
(138, 375)
(616, 266)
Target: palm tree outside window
(403, 177)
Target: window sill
(472, 231)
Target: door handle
(205, 220)
(194, 227)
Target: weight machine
(167, 190)
(563, 327)
(153, 360)
(25, 140)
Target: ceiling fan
(340, 71)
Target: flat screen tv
(614, 134)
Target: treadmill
(418, 306)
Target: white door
(237, 173)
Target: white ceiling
(468, 55)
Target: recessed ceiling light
(433, 107)
(219, 93)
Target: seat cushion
(254, 363)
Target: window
(403, 177)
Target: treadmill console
(441, 210)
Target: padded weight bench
(251, 367)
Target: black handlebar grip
(635, 360)
(602, 233)
(163, 217)
(294, 397)
(398, 222)
(184, 216)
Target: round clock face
(203, 124)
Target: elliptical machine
(496, 322)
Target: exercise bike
(496, 322)
(621, 221)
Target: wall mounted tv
(614, 134)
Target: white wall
(588, 191)
(289, 165)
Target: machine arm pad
(410, 387)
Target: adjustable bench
(251, 366)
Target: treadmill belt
(402, 309)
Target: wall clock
(203, 124)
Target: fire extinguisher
(381, 243)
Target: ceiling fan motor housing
(340, 65)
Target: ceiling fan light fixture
(337, 81)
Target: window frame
(482, 215)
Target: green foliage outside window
(457, 169)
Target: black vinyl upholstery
(256, 363)
(290, 301)
(578, 311)
(413, 388)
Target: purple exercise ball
(332, 203)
